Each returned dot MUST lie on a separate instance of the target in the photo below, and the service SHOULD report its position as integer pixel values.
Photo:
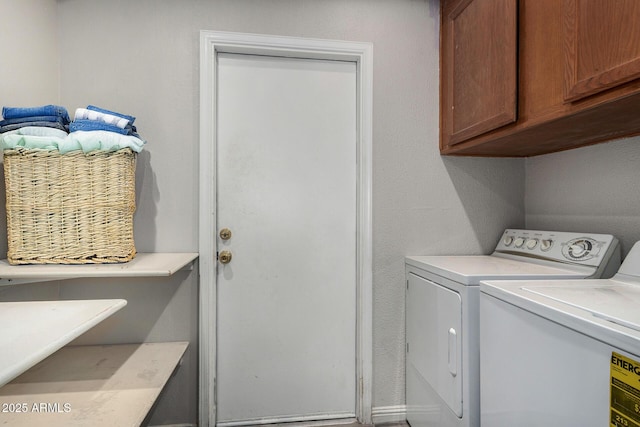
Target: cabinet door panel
(602, 45)
(479, 67)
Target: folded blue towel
(56, 125)
(45, 110)
(18, 120)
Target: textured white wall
(591, 189)
(29, 76)
(30, 70)
(30, 55)
(142, 57)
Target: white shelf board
(143, 265)
(33, 330)
(112, 385)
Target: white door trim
(211, 43)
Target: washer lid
(606, 310)
(471, 269)
(615, 302)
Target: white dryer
(562, 352)
(442, 313)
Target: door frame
(212, 43)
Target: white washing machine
(442, 313)
(562, 352)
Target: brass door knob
(224, 257)
(225, 234)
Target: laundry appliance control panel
(580, 248)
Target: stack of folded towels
(92, 129)
(95, 118)
(51, 116)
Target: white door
(286, 189)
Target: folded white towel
(83, 113)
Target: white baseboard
(389, 414)
(176, 425)
(379, 415)
(320, 419)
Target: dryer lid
(469, 270)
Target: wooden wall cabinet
(483, 83)
(529, 77)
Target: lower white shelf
(109, 385)
(32, 330)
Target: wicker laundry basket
(71, 208)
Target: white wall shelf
(92, 385)
(33, 330)
(143, 265)
(83, 385)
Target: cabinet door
(602, 45)
(478, 66)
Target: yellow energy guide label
(625, 392)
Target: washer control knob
(508, 240)
(532, 243)
(519, 242)
(579, 249)
(546, 244)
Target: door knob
(225, 234)
(224, 257)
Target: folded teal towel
(37, 131)
(53, 139)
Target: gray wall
(30, 52)
(29, 75)
(594, 188)
(142, 57)
(157, 310)
(30, 71)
